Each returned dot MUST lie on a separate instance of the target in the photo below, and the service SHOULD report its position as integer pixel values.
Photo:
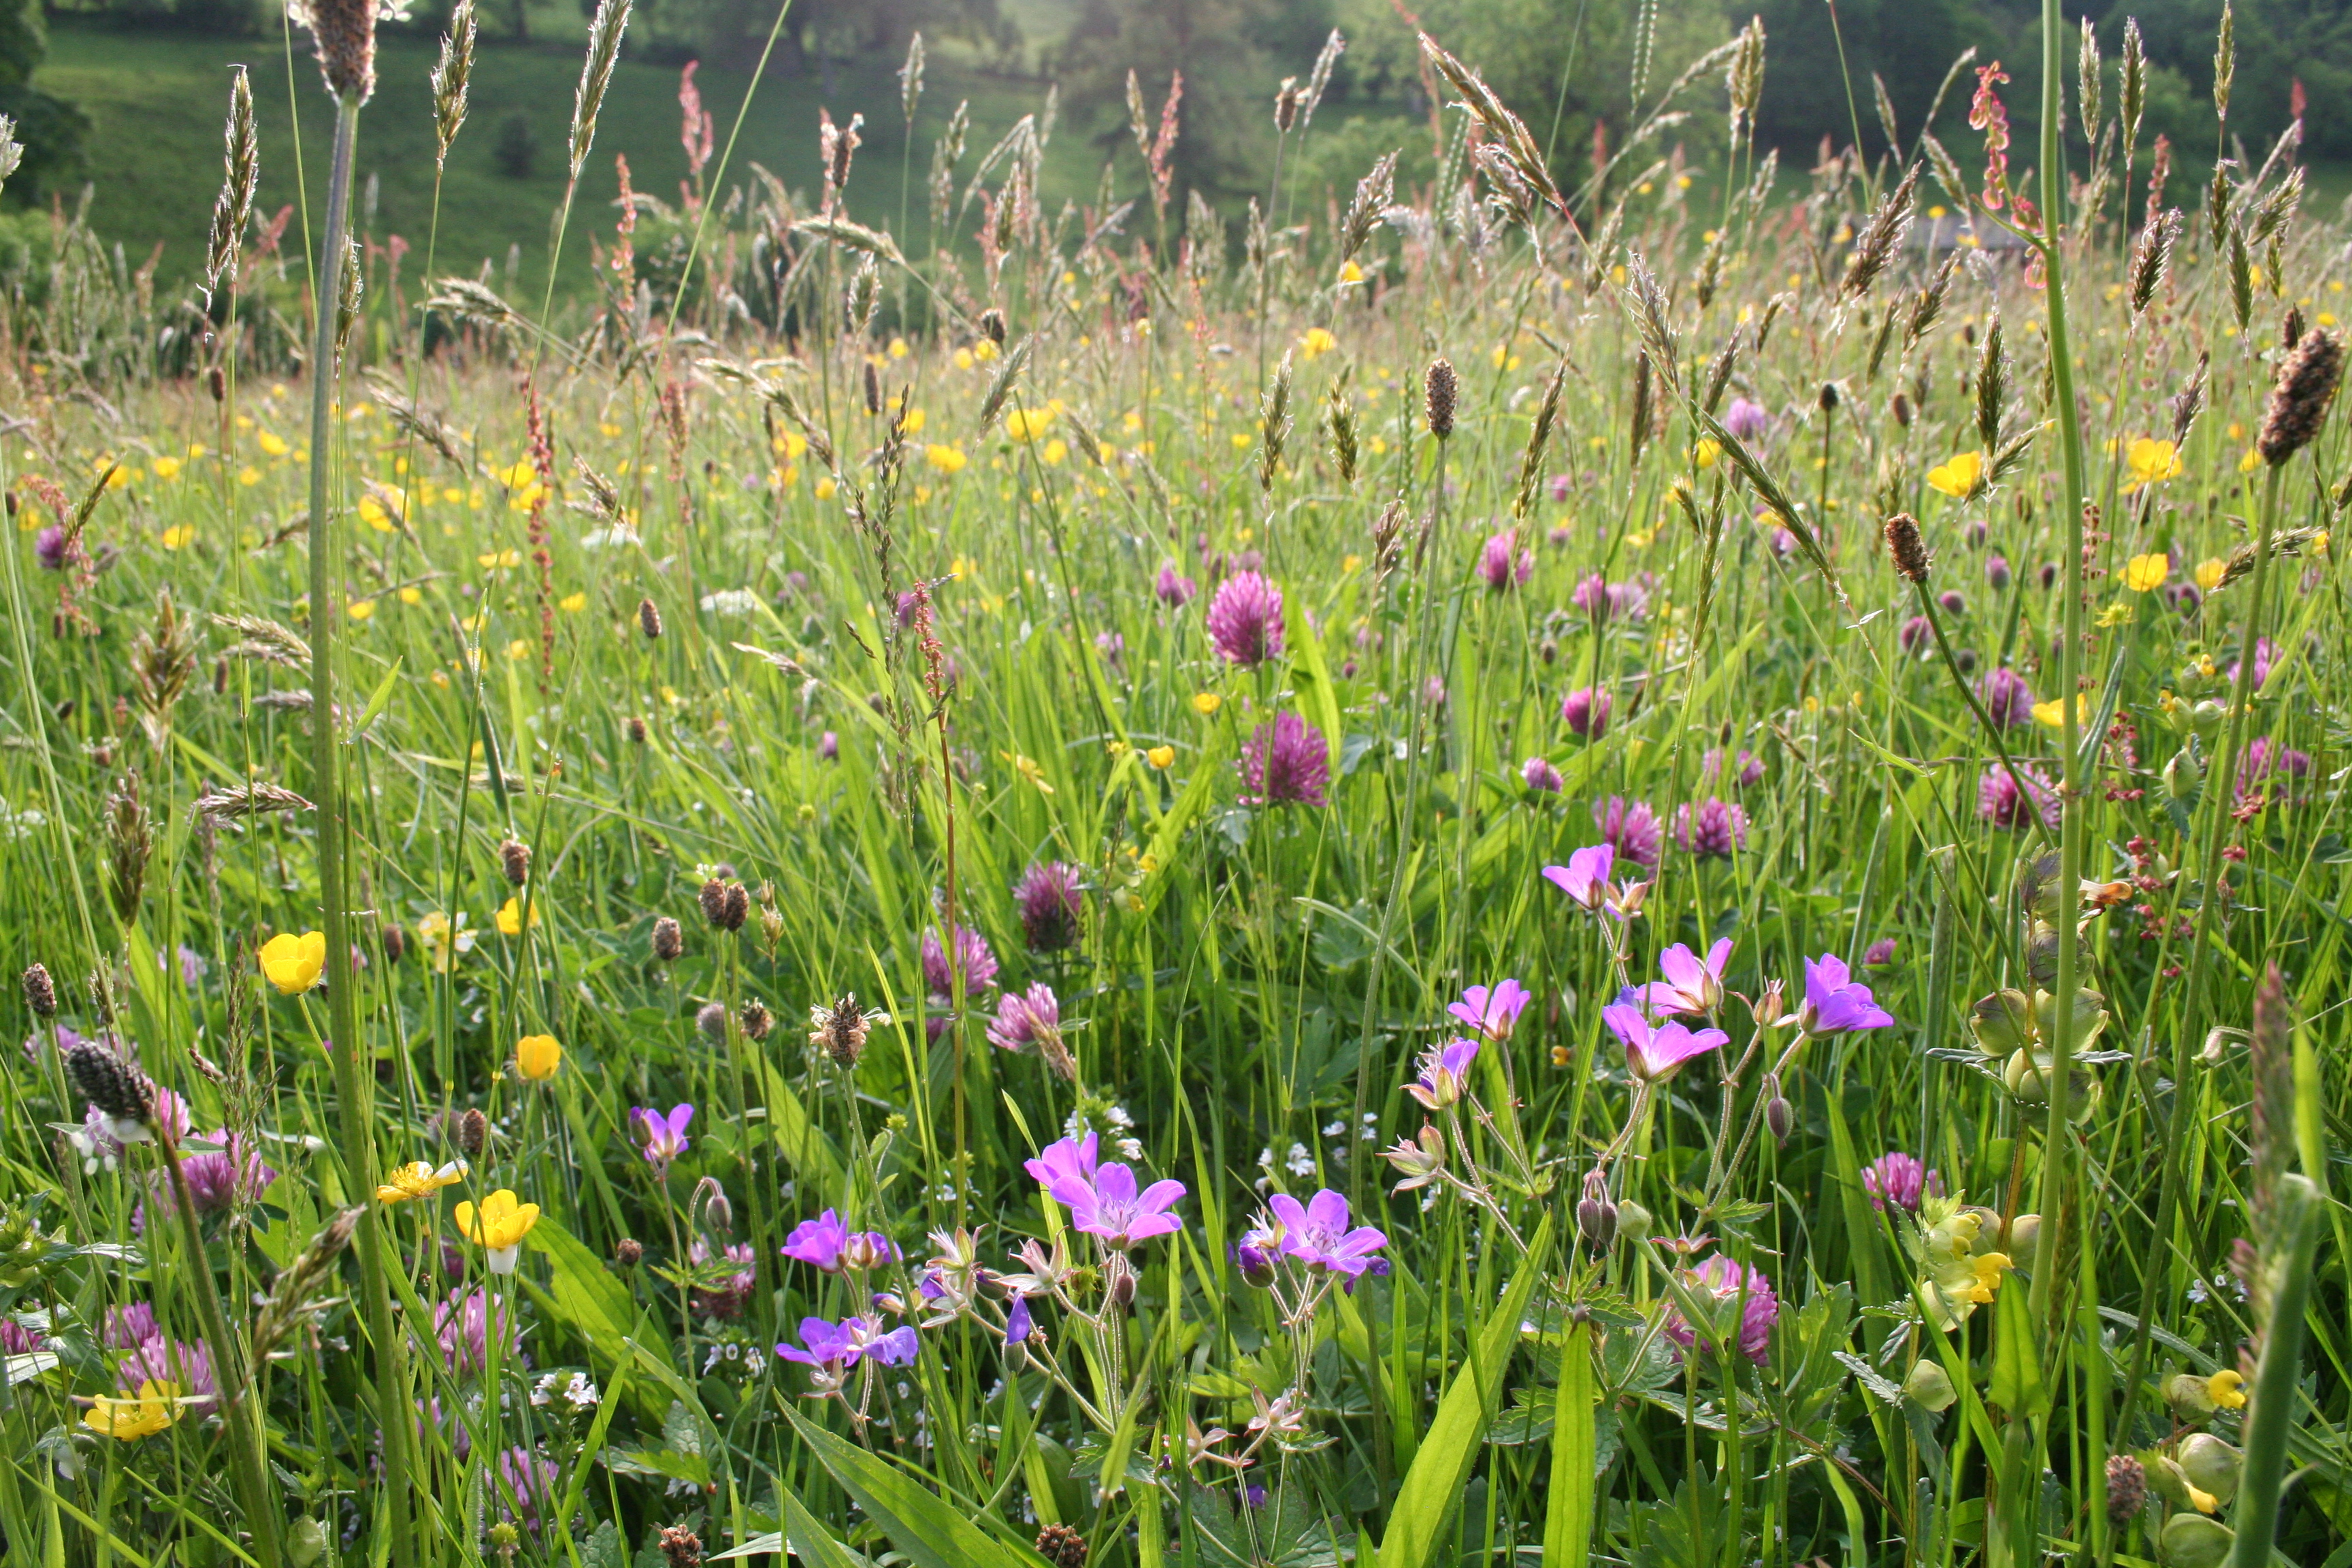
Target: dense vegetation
(1649, 873)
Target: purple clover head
(1173, 590)
(828, 747)
(1051, 898)
(1901, 1180)
(50, 548)
(1539, 775)
(1245, 619)
(2001, 803)
(235, 1174)
(187, 1365)
(1112, 1208)
(1318, 1235)
(463, 1326)
(1692, 986)
(1630, 828)
(1721, 1280)
(1557, 487)
(1445, 1074)
(1286, 761)
(1747, 420)
(661, 1137)
(1835, 1002)
(1492, 1011)
(974, 959)
(1026, 1020)
(127, 1327)
(1713, 830)
(1502, 564)
(1654, 1051)
(1915, 636)
(2008, 699)
(1585, 711)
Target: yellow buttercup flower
(2142, 574)
(1350, 273)
(2209, 573)
(510, 916)
(360, 609)
(1704, 454)
(1026, 424)
(1961, 477)
(1317, 341)
(2226, 1388)
(272, 443)
(153, 1409)
(572, 602)
(2053, 712)
(945, 459)
(1205, 703)
(294, 963)
(2152, 462)
(179, 534)
(537, 1056)
(498, 1226)
(417, 1180)
(167, 467)
(1028, 769)
(1160, 756)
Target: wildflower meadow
(1641, 864)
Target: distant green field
(158, 103)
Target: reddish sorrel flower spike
(1987, 115)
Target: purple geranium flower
(1317, 1234)
(1629, 828)
(1539, 774)
(1245, 619)
(1492, 1011)
(662, 1138)
(1285, 762)
(1110, 1206)
(1585, 711)
(1899, 1179)
(1711, 830)
(1879, 953)
(1445, 1074)
(1726, 1280)
(827, 1243)
(1051, 897)
(1835, 1002)
(1585, 879)
(1692, 985)
(835, 1348)
(1654, 1051)
(1066, 1159)
(1018, 1324)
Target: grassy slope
(158, 103)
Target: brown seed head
(344, 31)
(680, 1547)
(1443, 386)
(1058, 1543)
(396, 943)
(648, 619)
(217, 383)
(1286, 105)
(514, 858)
(737, 907)
(668, 940)
(841, 1029)
(2305, 386)
(634, 727)
(109, 1082)
(40, 991)
(713, 900)
(992, 325)
(473, 1135)
(628, 1252)
(757, 1021)
(2127, 1487)
(1903, 543)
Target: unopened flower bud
(1769, 1008)
(2213, 1466)
(628, 1252)
(1596, 1217)
(2025, 1238)
(2193, 1541)
(1779, 1117)
(711, 1020)
(711, 1199)
(1256, 1265)
(1120, 1280)
(1633, 1219)
(1929, 1386)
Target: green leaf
(2017, 1385)
(382, 696)
(803, 1143)
(1448, 1448)
(1567, 1522)
(929, 1532)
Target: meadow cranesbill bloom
(1629, 828)
(1585, 880)
(1725, 1280)
(1051, 898)
(497, 1225)
(1503, 565)
(1245, 619)
(1285, 762)
(463, 1325)
(834, 1348)
(1111, 1208)
(661, 1138)
(1445, 1074)
(1585, 711)
(825, 1243)
(1692, 985)
(2008, 699)
(1899, 1179)
(2000, 802)
(1538, 775)
(1654, 1051)
(1492, 1011)
(1836, 1002)
(1711, 830)
(1318, 1235)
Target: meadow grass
(1543, 742)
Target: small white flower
(1300, 1162)
(581, 1392)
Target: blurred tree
(51, 129)
(2280, 43)
(1909, 44)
